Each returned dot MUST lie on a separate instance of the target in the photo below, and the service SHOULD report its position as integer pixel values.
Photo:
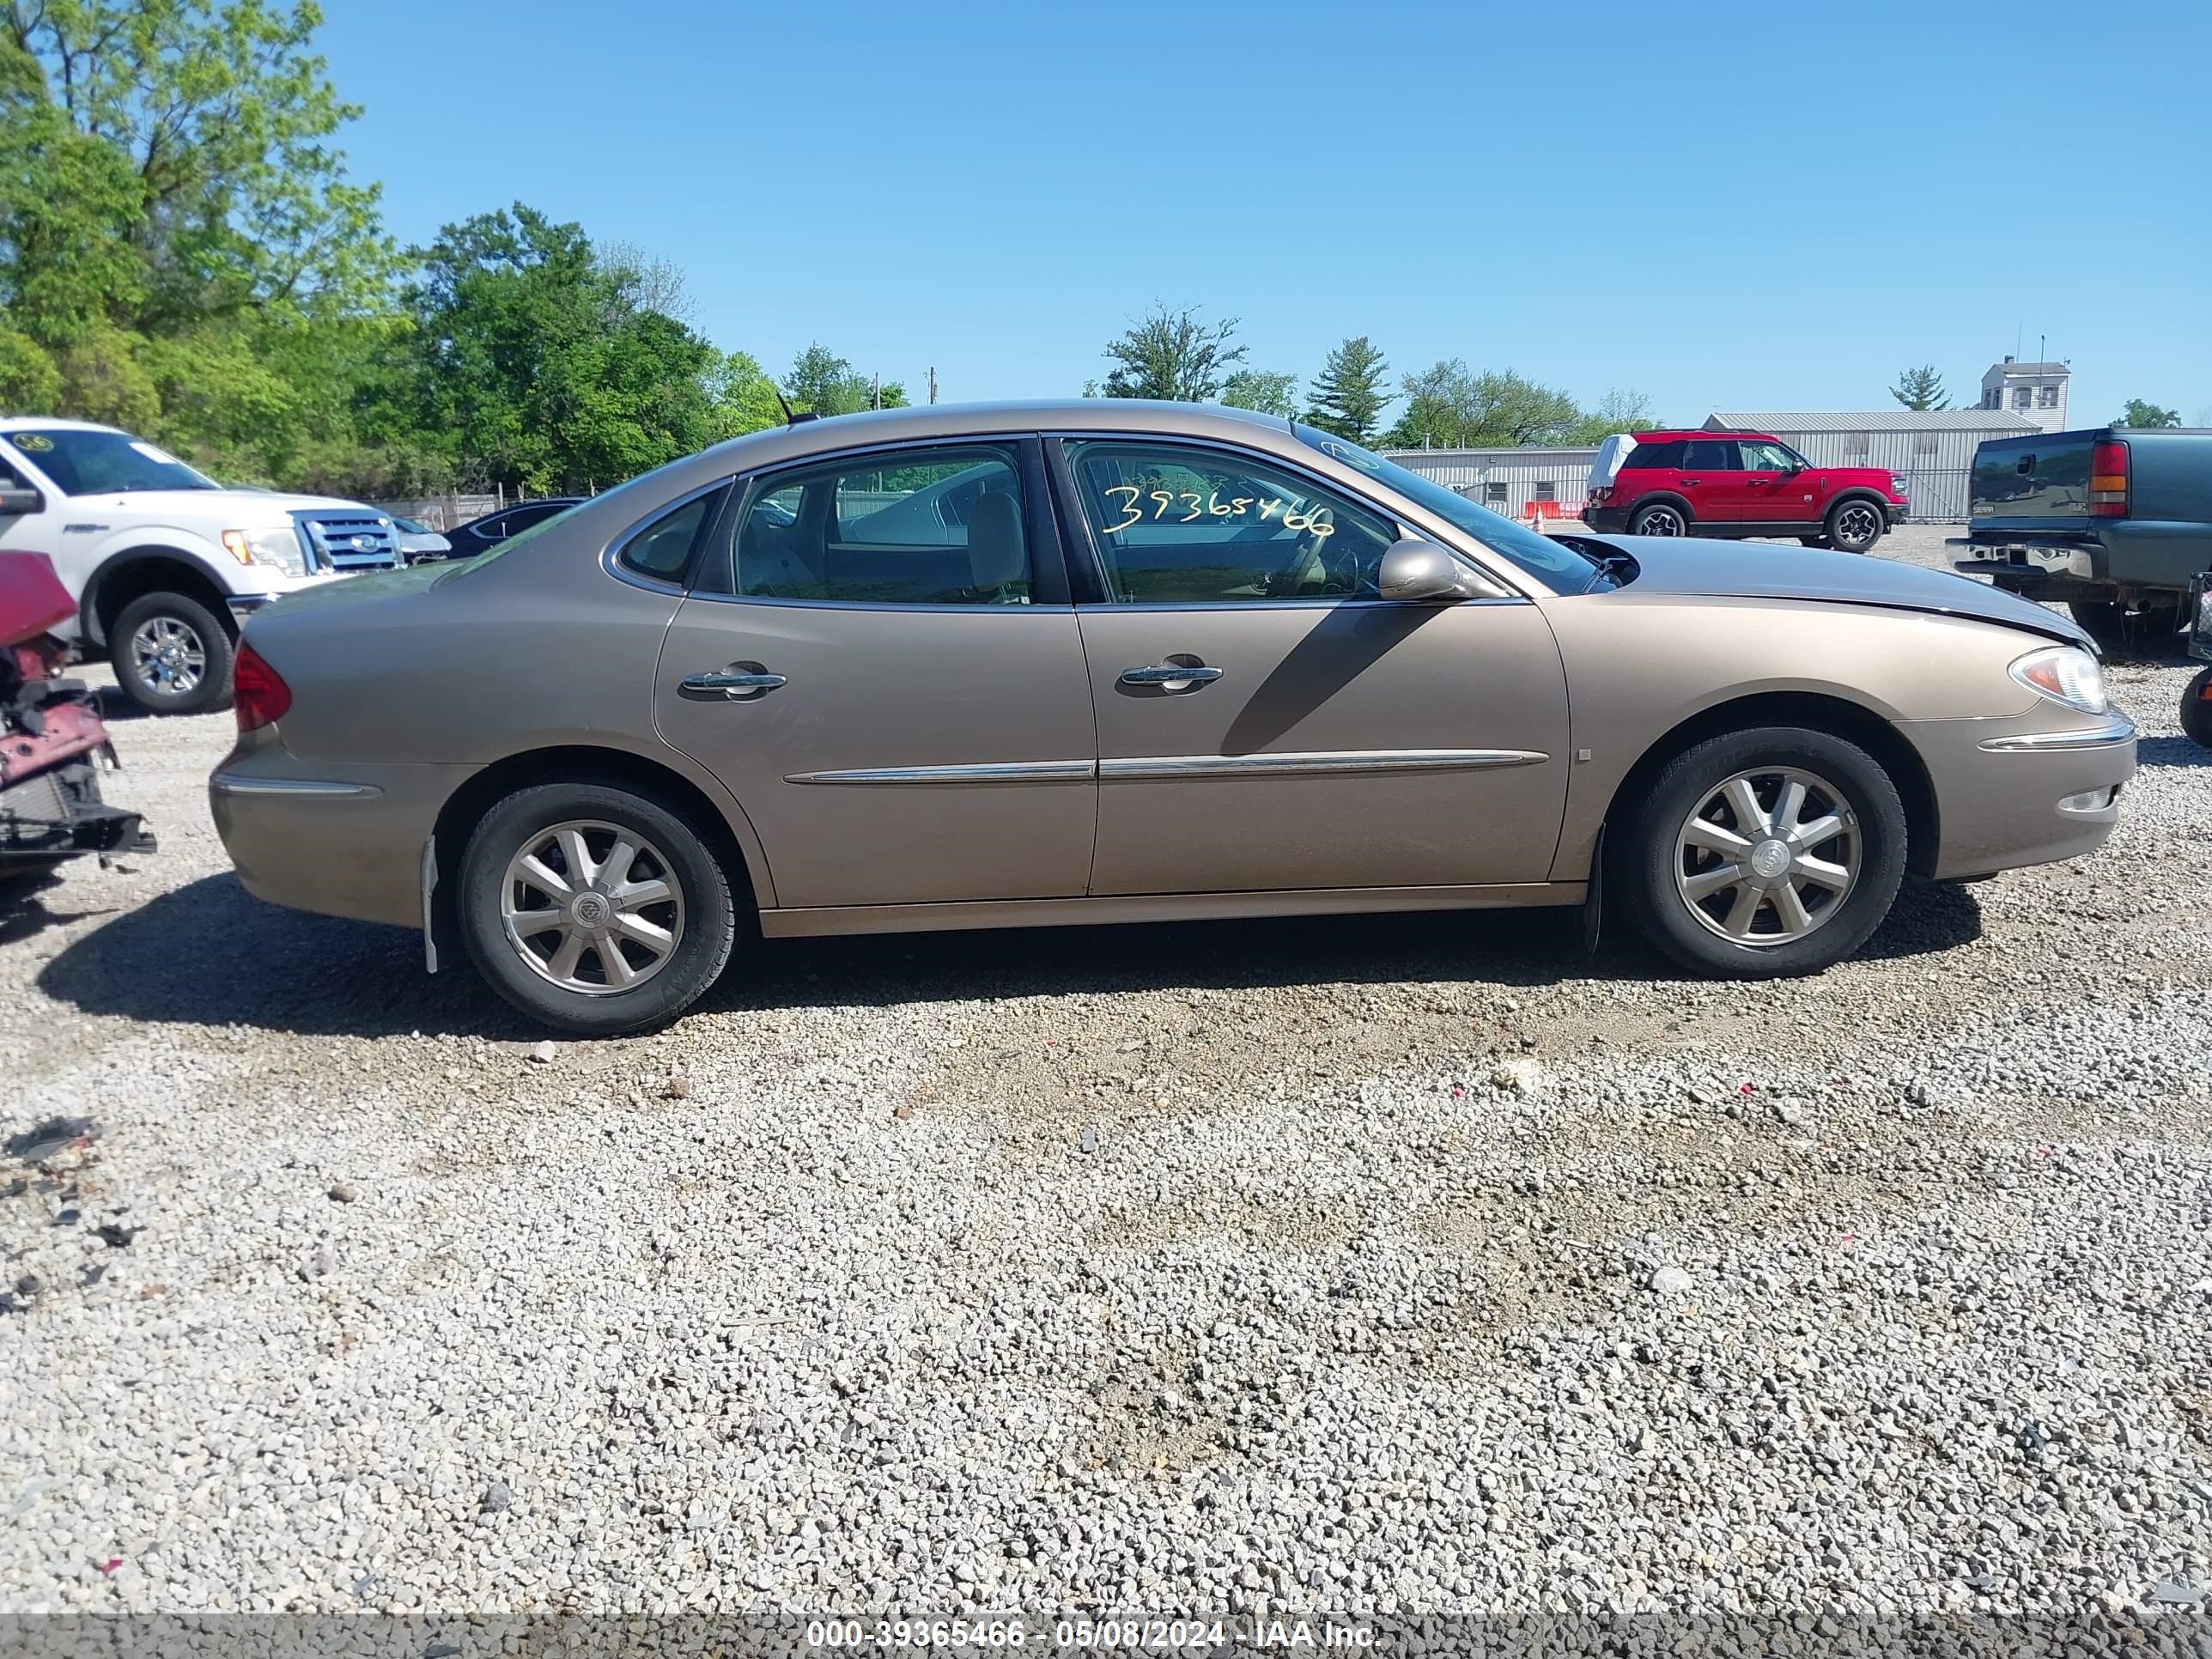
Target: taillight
(257, 691)
(2108, 480)
(1601, 492)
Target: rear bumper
(1610, 520)
(340, 840)
(2010, 792)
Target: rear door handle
(1173, 674)
(733, 686)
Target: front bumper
(2034, 788)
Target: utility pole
(878, 403)
(932, 383)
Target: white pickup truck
(165, 564)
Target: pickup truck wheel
(2197, 709)
(1659, 518)
(1853, 525)
(171, 654)
(1765, 854)
(592, 910)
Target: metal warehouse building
(1507, 480)
(1932, 450)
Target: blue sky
(1773, 207)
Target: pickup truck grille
(349, 541)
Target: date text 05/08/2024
(1133, 1634)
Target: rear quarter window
(1656, 457)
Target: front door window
(1190, 526)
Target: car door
(904, 720)
(1769, 486)
(1265, 720)
(1711, 480)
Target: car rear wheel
(1853, 525)
(172, 655)
(1766, 853)
(2197, 709)
(595, 909)
(1659, 518)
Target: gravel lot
(1380, 1264)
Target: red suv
(1741, 483)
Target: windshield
(1556, 563)
(92, 462)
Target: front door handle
(731, 685)
(1174, 675)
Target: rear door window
(1710, 455)
(935, 526)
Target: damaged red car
(52, 743)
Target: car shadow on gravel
(210, 953)
(2171, 751)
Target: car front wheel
(1659, 518)
(595, 909)
(1854, 525)
(1766, 853)
(171, 654)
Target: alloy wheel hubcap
(168, 654)
(1664, 522)
(1857, 524)
(593, 906)
(1768, 856)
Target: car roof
(1669, 434)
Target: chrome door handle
(730, 685)
(1172, 673)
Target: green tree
(826, 383)
(1920, 389)
(1171, 355)
(1349, 394)
(2139, 413)
(535, 361)
(182, 150)
(1263, 390)
(1449, 407)
(1617, 411)
(744, 396)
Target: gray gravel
(1377, 1264)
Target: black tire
(202, 635)
(684, 861)
(1854, 525)
(1648, 518)
(1863, 796)
(2197, 709)
(1813, 541)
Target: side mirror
(1418, 572)
(20, 503)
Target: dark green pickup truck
(2117, 522)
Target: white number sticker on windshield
(1139, 505)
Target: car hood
(1719, 569)
(238, 507)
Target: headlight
(279, 548)
(1900, 484)
(2065, 674)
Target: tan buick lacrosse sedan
(1109, 661)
